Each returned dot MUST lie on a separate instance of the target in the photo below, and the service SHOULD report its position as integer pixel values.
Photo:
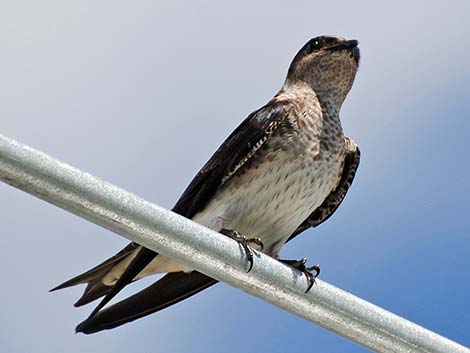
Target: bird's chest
(280, 188)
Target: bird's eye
(314, 44)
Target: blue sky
(141, 94)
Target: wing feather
(231, 156)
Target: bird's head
(328, 65)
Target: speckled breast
(287, 179)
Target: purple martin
(285, 169)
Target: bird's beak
(350, 45)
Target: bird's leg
(245, 243)
(307, 271)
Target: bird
(286, 168)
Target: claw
(310, 276)
(307, 271)
(245, 243)
(248, 252)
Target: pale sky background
(140, 93)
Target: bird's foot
(311, 272)
(245, 242)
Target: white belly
(271, 201)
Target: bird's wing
(232, 156)
(334, 199)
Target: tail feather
(170, 289)
(138, 263)
(94, 290)
(93, 278)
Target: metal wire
(208, 252)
